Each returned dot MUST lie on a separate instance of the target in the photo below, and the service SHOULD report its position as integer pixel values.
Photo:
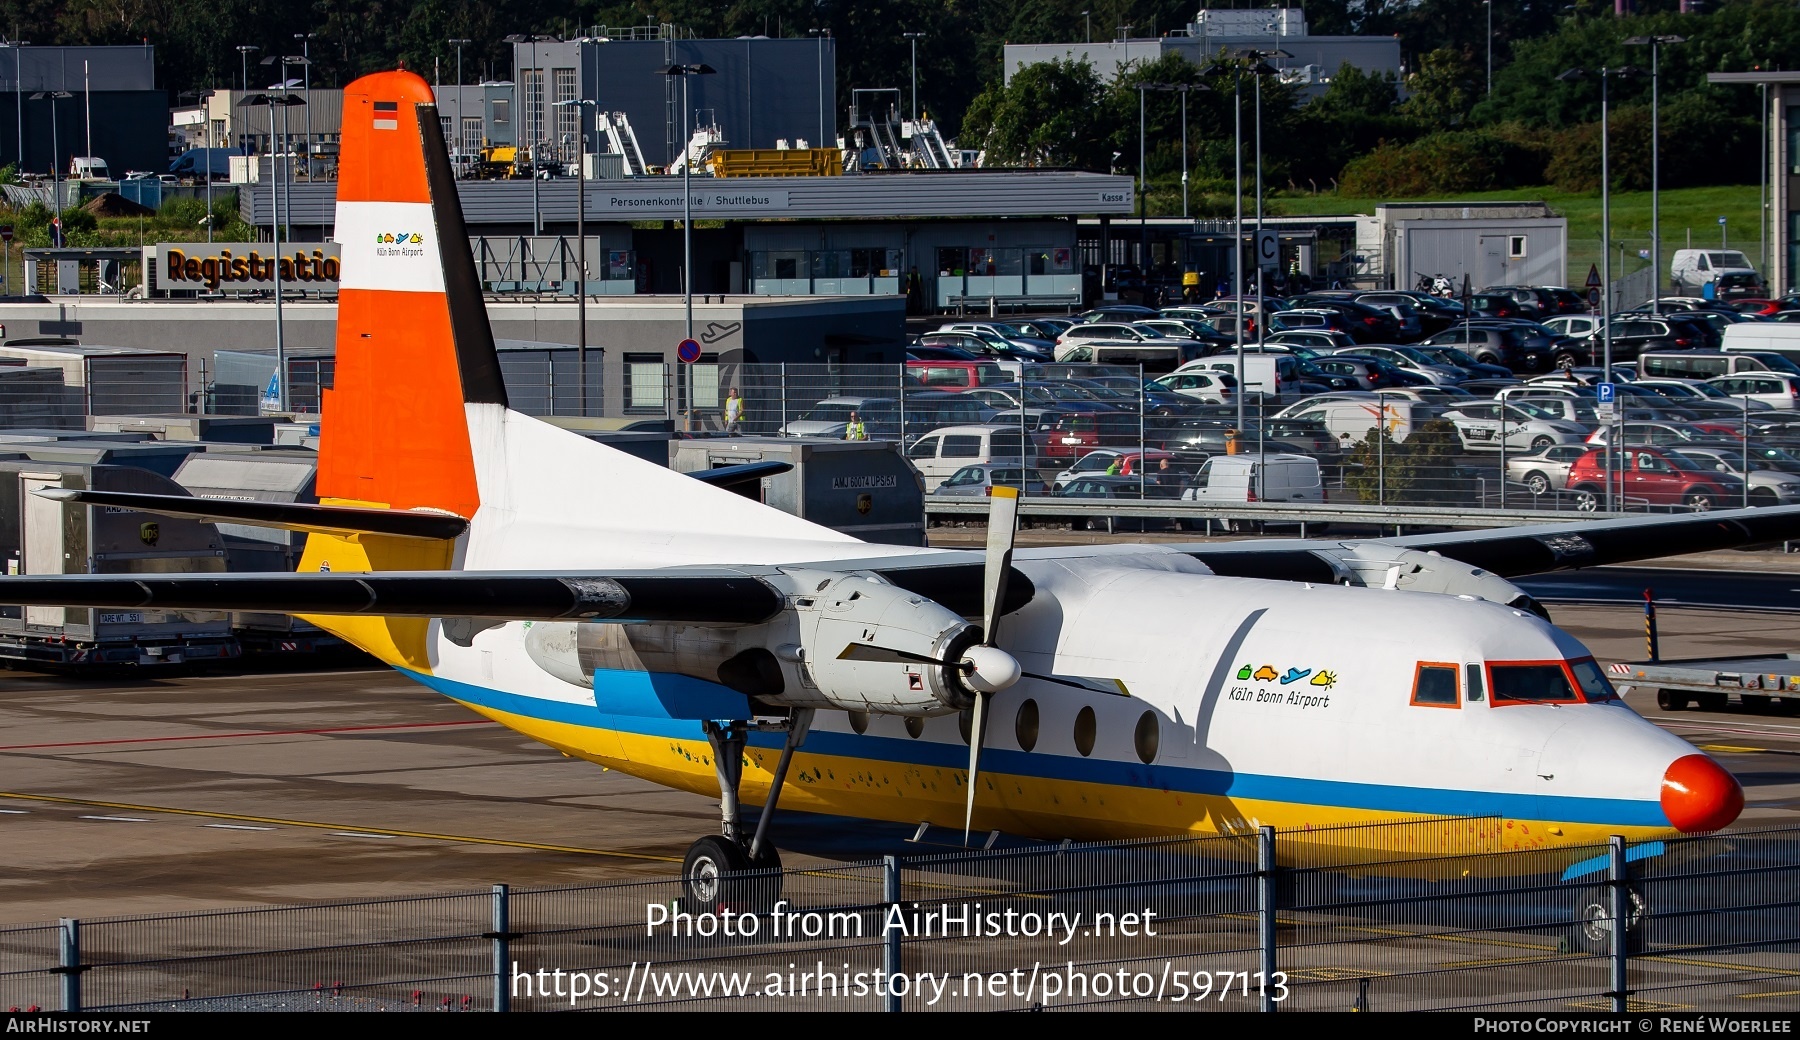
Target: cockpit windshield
(1549, 682)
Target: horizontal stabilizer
(742, 478)
(287, 516)
(716, 598)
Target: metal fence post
(890, 947)
(1619, 896)
(69, 964)
(502, 935)
(1265, 912)
(784, 419)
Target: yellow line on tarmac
(1694, 963)
(1778, 993)
(1475, 940)
(1733, 750)
(279, 821)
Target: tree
(1442, 91)
(1416, 470)
(1051, 114)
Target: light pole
(581, 267)
(306, 93)
(458, 44)
(1489, 5)
(244, 50)
(18, 49)
(687, 197)
(56, 206)
(1088, 18)
(1605, 246)
(1762, 209)
(915, 38)
(1655, 44)
(1260, 68)
(820, 35)
(272, 102)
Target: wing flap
(287, 516)
(716, 599)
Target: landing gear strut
(713, 865)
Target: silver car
(1411, 359)
(1483, 425)
(974, 480)
(1769, 486)
(1545, 471)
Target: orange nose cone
(1698, 795)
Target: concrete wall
(736, 329)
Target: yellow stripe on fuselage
(1023, 805)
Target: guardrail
(1200, 516)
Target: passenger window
(1435, 686)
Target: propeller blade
(1003, 530)
(885, 655)
(977, 731)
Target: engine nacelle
(799, 658)
(850, 623)
(1378, 565)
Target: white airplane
(650, 622)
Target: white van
(942, 452)
(1694, 269)
(1763, 337)
(1704, 364)
(88, 168)
(1261, 375)
(1257, 478)
(1351, 418)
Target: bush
(1442, 164)
(181, 212)
(1414, 471)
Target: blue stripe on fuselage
(1427, 801)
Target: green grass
(1683, 210)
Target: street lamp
(272, 101)
(56, 206)
(821, 35)
(458, 44)
(535, 126)
(1260, 68)
(244, 50)
(1247, 61)
(1088, 18)
(581, 267)
(685, 72)
(306, 88)
(1489, 5)
(18, 49)
(1655, 44)
(1571, 75)
(915, 38)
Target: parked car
(1545, 470)
(1097, 463)
(1364, 323)
(1649, 474)
(1367, 373)
(1516, 348)
(1490, 425)
(975, 481)
(1771, 388)
(1658, 433)
(1414, 360)
(831, 418)
(1441, 354)
(940, 453)
(1532, 302)
(1313, 339)
(1769, 486)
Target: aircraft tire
(1593, 928)
(707, 872)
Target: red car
(1643, 474)
(1756, 306)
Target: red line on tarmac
(252, 733)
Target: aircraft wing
(1512, 552)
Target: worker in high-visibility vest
(854, 430)
(734, 411)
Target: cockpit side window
(1530, 682)
(1434, 686)
(1474, 678)
(1595, 686)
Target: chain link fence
(1423, 915)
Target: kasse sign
(245, 266)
